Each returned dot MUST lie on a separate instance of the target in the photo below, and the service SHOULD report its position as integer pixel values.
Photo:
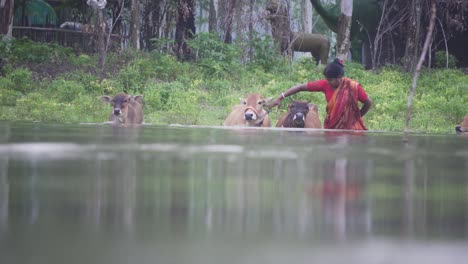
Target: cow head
(253, 107)
(297, 112)
(120, 104)
(463, 127)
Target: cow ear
(106, 99)
(313, 107)
(137, 98)
(268, 100)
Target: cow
(126, 109)
(76, 26)
(300, 114)
(463, 127)
(249, 113)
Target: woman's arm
(288, 92)
(366, 106)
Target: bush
(26, 50)
(66, 91)
(213, 55)
(441, 60)
(17, 82)
(8, 97)
(38, 107)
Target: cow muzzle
(299, 117)
(117, 111)
(250, 114)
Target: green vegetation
(46, 82)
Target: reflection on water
(156, 194)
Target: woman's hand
(276, 102)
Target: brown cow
(300, 114)
(126, 108)
(249, 113)
(463, 127)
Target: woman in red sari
(342, 95)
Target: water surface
(94, 193)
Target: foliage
(441, 60)
(264, 52)
(15, 83)
(196, 94)
(66, 91)
(215, 56)
(26, 50)
(21, 80)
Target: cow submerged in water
(463, 127)
(300, 114)
(126, 109)
(250, 113)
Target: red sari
(342, 109)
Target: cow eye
(260, 102)
(126, 101)
(244, 102)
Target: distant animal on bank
(301, 114)
(250, 113)
(77, 26)
(126, 109)
(463, 127)
(288, 41)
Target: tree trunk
(418, 67)
(251, 29)
(306, 16)
(280, 26)
(185, 28)
(101, 35)
(212, 19)
(6, 17)
(135, 25)
(150, 23)
(343, 42)
(240, 23)
(225, 16)
(412, 41)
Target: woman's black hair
(334, 69)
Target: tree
(6, 17)
(98, 6)
(418, 66)
(212, 19)
(344, 29)
(135, 24)
(392, 16)
(226, 13)
(185, 28)
(412, 41)
(306, 16)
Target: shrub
(213, 55)
(83, 60)
(38, 107)
(441, 60)
(26, 50)
(66, 91)
(18, 80)
(8, 97)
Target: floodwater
(94, 193)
